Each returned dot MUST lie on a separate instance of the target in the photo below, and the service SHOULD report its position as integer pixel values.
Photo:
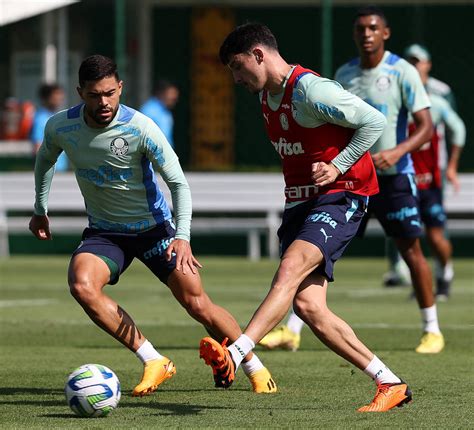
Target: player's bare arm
(452, 168)
(39, 226)
(424, 130)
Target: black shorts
(148, 246)
(396, 207)
(328, 221)
(431, 207)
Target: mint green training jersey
(394, 88)
(114, 167)
(443, 113)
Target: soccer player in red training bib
(322, 134)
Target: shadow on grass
(14, 391)
(165, 409)
(188, 347)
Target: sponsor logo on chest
(285, 148)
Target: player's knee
(289, 269)
(309, 310)
(412, 253)
(198, 308)
(82, 289)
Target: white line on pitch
(26, 302)
(192, 323)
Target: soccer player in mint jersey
(115, 152)
(394, 87)
(321, 133)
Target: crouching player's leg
(313, 237)
(100, 260)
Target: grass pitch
(44, 335)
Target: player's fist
(323, 174)
(385, 159)
(39, 226)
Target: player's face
(56, 100)
(247, 70)
(101, 100)
(370, 34)
(170, 97)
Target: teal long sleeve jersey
(115, 169)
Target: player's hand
(185, 259)
(383, 160)
(324, 174)
(39, 226)
(452, 176)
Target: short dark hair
(161, 85)
(45, 90)
(97, 67)
(244, 38)
(371, 10)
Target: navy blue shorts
(328, 221)
(148, 246)
(396, 207)
(431, 207)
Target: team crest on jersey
(294, 111)
(383, 83)
(119, 146)
(284, 121)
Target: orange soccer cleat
(155, 372)
(262, 381)
(388, 396)
(218, 357)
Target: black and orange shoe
(389, 396)
(218, 357)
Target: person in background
(51, 98)
(159, 107)
(450, 131)
(431, 167)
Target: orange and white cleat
(388, 396)
(155, 372)
(218, 357)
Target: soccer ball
(92, 390)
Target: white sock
(380, 373)
(252, 365)
(147, 352)
(240, 348)
(430, 319)
(295, 323)
(448, 272)
(445, 273)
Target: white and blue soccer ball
(92, 390)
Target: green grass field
(44, 335)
